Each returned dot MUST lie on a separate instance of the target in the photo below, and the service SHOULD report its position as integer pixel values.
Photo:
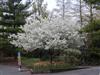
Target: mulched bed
(9, 61)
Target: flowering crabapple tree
(56, 34)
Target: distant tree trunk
(81, 19)
(91, 12)
(63, 9)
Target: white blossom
(54, 34)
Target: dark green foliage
(93, 35)
(12, 15)
(93, 1)
(93, 40)
(96, 3)
(92, 27)
(93, 30)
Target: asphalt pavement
(13, 70)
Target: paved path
(12, 70)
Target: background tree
(64, 7)
(12, 15)
(93, 4)
(40, 9)
(92, 29)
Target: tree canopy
(12, 15)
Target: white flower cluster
(54, 34)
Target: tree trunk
(81, 19)
(51, 59)
(91, 13)
(1, 56)
(63, 9)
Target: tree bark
(81, 19)
(51, 59)
(91, 13)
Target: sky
(51, 4)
